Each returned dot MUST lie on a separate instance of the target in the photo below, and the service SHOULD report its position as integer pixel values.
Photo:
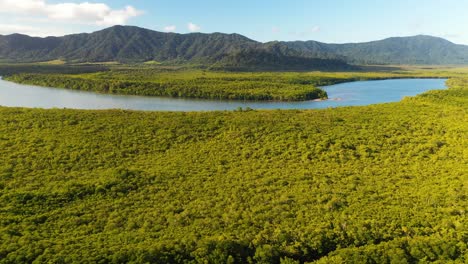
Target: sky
(331, 21)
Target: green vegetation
(195, 83)
(187, 84)
(7, 69)
(377, 184)
(422, 50)
(127, 44)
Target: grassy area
(376, 184)
(53, 62)
(153, 80)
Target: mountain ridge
(130, 44)
(419, 49)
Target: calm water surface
(345, 94)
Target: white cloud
(170, 28)
(6, 29)
(314, 29)
(87, 13)
(21, 6)
(193, 28)
(275, 30)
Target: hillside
(277, 55)
(398, 50)
(376, 184)
(129, 44)
(132, 44)
(120, 43)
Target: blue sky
(335, 21)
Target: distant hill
(399, 50)
(274, 55)
(132, 44)
(128, 44)
(119, 43)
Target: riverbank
(191, 84)
(199, 84)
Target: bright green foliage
(220, 86)
(160, 81)
(377, 184)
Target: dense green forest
(376, 184)
(197, 83)
(185, 84)
(423, 50)
(129, 44)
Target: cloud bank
(85, 12)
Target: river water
(345, 94)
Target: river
(345, 94)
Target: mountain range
(129, 44)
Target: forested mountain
(132, 44)
(122, 44)
(274, 55)
(400, 50)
